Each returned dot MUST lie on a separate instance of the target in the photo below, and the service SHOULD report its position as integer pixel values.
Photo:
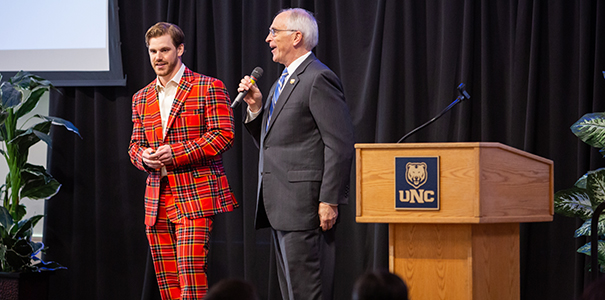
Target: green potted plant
(589, 191)
(19, 96)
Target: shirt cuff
(250, 116)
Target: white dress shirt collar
(176, 79)
(294, 65)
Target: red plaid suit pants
(179, 247)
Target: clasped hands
(158, 158)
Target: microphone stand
(463, 95)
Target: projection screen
(69, 42)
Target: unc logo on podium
(417, 183)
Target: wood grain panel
(457, 261)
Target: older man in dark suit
(305, 136)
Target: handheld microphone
(463, 95)
(256, 74)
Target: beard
(164, 68)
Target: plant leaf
(33, 135)
(3, 116)
(595, 185)
(6, 220)
(36, 248)
(3, 258)
(39, 82)
(16, 213)
(40, 189)
(47, 266)
(3, 135)
(586, 229)
(23, 248)
(31, 102)
(37, 183)
(29, 81)
(11, 97)
(581, 182)
(43, 127)
(586, 250)
(20, 79)
(17, 256)
(590, 128)
(24, 227)
(41, 131)
(34, 172)
(29, 138)
(58, 121)
(19, 212)
(44, 137)
(573, 202)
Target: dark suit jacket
(307, 152)
(199, 130)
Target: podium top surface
(451, 145)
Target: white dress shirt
(166, 96)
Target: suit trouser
(179, 247)
(305, 263)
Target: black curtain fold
(532, 69)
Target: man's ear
(180, 50)
(298, 39)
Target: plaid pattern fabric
(199, 129)
(179, 252)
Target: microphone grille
(257, 73)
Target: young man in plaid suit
(182, 125)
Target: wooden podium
(469, 247)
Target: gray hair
(303, 21)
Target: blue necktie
(278, 88)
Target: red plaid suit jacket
(199, 129)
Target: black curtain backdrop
(532, 69)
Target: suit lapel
(267, 104)
(290, 84)
(182, 93)
(152, 120)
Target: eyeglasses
(275, 31)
